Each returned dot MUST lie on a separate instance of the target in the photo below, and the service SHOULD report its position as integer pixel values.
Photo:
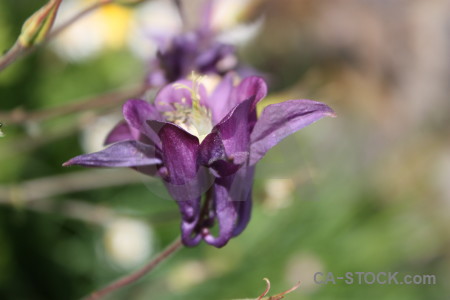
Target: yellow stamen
(196, 119)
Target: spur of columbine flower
(203, 143)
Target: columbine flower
(196, 50)
(201, 143)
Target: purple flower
(198, 51)
(203, 143)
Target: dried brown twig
(109, 99)
(276, 297)
(52, 186)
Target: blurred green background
(365, 192)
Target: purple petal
(179, 155)
(219, 102)
(226, 214)
(233, 129)
(242, 189)
(227, 147)
(280, 120)
(177, 59)
(189, 236)
(122, 154)
(252, 86)
(206, 17)
(122, 132)
(184, 179)
(232, 200)
(218, 58)
(226, 96)
(244, 213)
(156, 78)
(136, 112)
(169, 95)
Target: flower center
(195, 119)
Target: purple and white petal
(219, 102)
(250, 87)
(227, 146)
(121, 132)
(137, 112)
(122, 154)
(279, 120)
(175, 94)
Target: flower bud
(36, 28)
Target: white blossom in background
(187, 275)
(278, 193)
(227, 19)
(140, 28)
(228, 13)
(302, 267)
(103, 28)
(94, 133)
(113, 26)
(128, 242)
(152, 21)
(242, 33)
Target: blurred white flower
(113, 26)
(242, 33)
(152, 21)
(227, 14)
(94, 133)
(128, 242)
(106, 27)
(141, 28)
(187, 275)
(278, 193)
(302, 267)
(227, 19)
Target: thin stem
(267, 289)
(172, 248)
(10, 56)
(62, 184)
(290, 290)
(19, 116)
